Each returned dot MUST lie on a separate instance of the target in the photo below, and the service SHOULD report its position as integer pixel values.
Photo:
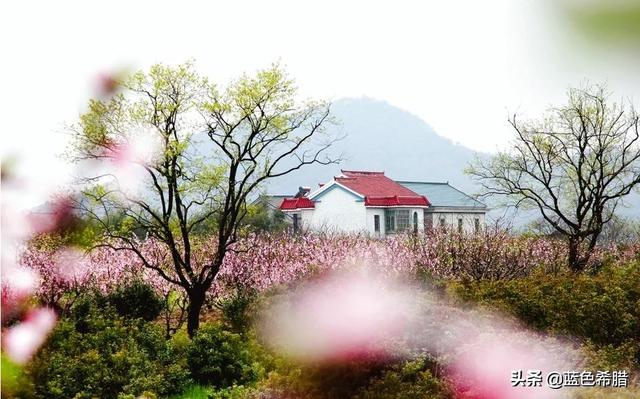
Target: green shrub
(136, 300)
(13, 379)
(106, 357)
(603, 308)
(144, 395)
(609, 357)
(83, 313)
(221, 358)
(324, 380)
(236, 310)
(407, 381)
(234, 392)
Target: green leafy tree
(574, 166)
(262, 219)
(258, 128)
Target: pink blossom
(106, 84)
(22, 340)
(18, 284)
(483, 366)
(339, 317)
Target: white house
(358, 201)
(361, 201)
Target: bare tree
(259, 130)
(574, 166)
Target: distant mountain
(381, 137)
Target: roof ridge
(363, 172)
(423, 182)
(393, 196)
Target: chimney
(303, 192)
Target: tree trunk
(579, 256)
(574, 254)
(196, 301)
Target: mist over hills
(381, 137)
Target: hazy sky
(459, 65)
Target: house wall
(451, 216)
(420, 219)
(370, 223)
(381, 212)
(337, 210)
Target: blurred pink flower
(109, 83)
(59, 214)
(21, 341)
(17, 284)
(340, 317)
(483, 367)
(106, 84)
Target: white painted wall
(307, 218)
(337, 210)
(340, 211)
(451, 219)
(370, 223)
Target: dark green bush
(407, 381)
(236, 310)
(324, 380)
(221, 358)
(136, 300)
(609, 357)
(98, 354)
(603, 308)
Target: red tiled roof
(379, 190)
(296, 203)
(395, 201)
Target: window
(443, 223)
(397, 220)
(415, 222)
(376, 223)
(460, 225)
(477, 225)
(389, 222)
(403, 222)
